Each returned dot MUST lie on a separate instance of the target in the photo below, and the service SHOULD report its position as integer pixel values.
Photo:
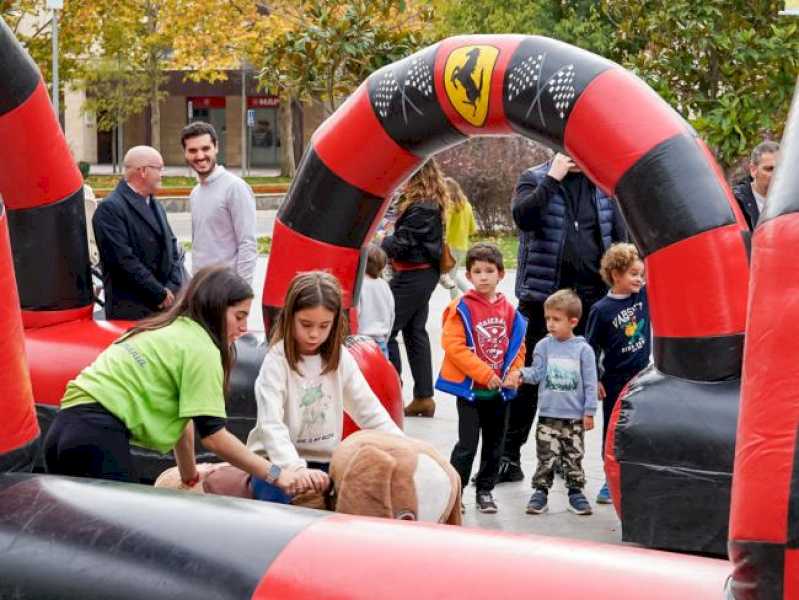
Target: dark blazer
(138, 254)
(746, 199)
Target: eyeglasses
(159, 168)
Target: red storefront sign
(207, 101)
(263, 101)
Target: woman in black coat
(415, 250)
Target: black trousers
(488, 416)
(88, 441)
(412, 291)
(524, 406)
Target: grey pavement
(441, 432)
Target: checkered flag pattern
(420, 77)
(561, 88)
(524, 76)
(386, 89)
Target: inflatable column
(43, 192)
(764, 519)
(19, 430)
(675, 436)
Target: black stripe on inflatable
(18, 73)
(21, 459)
(671, 194)
(700, 359)
(747, 239)
(403, 96)
(51, 255)
(98, 539)
(326, 208)
(543, 82)
(793, 499)
(758, 570)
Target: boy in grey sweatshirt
(565, 369)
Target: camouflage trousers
(559, 439)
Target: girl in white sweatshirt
(307, 381)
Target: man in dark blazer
(752, 190)
(142, 269)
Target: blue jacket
(451, 379)
(542, 231)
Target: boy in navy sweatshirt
(564, 366)
(618, 331)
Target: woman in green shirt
(157, 384)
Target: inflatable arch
(674, 443)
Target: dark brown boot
(421, 407)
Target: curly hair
(619, 257)
(427, 184)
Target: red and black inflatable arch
(671, 461)
(764, 520)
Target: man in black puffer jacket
(752, 190)
(565, 224)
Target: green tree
(728, 66)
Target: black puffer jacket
(418, 235)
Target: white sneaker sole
(581, 513)
(533, 511)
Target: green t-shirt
(155, 382)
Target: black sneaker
(485, 503)
(537, 503)
(579, 505)
(509, 471)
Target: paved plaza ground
(441, 432)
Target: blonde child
(307, 382)
(618, 331)
(376, 302)
(564, 367)
(460, 226)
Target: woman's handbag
(447, 262)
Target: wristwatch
(273, 474)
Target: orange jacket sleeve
(453, 340)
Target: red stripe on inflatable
(56, 354)
(34, 319)
(791, 574)
(370, 160)
(496, 123)
(769, 413)
(18, 424)
(612, 466)
(714, 164)
(617, 120)
(38, 167)
(294, 253)
(357, 558)
(704, 271)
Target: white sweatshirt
(223, 224)
(301, 416)
(375, 309)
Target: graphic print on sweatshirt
(627, 320)
(563, 375)
(314, 409)
(492, 341)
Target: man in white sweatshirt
(222, 207)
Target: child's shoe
(537, 503)
(603, 497)
(578, 503)
(485, 503)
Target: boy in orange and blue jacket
(483, 340)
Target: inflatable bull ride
(673, 435)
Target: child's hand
(601, 391)
(513, 379)
(494, 383)
(293, 481)
(588, 422)
(319, 479)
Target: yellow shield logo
(467, 80)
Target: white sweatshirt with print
(301, 415)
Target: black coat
(418, 235)
(138, 253)
(746, 199)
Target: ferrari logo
(467, 80)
